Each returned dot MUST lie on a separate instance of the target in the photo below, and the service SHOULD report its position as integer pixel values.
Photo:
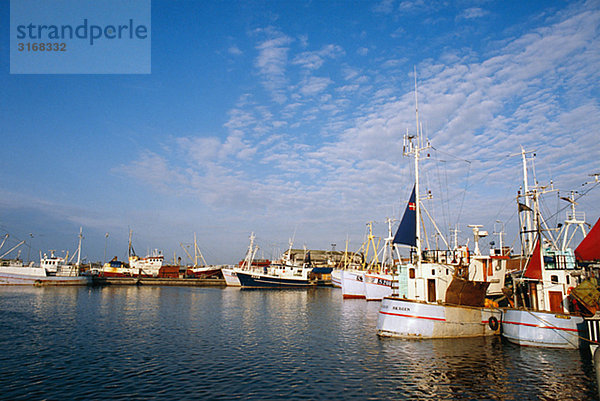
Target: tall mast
(195, 251)
(79, 247)
(130, 252)
(417, 200)
(528, 226)
(415, 150)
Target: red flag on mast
(533, 269)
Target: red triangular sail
(589, 249)
(533, 270)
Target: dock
(160, 281)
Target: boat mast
(250, 254)
(388, 248)
(79, 247)
(130, 252)
(573, 219)
(528, 243)
(414, 149)
(195, 251)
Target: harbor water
(143, 342)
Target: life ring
(493, 323)
(569, 290)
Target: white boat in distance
(379, 277)
(230, 273)
(53, 270)
(354, 279)
(200, 269)
(283, 274)
(148, 266)
(353, 284)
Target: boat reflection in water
(487, 367)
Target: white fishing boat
(230, 274)
(435, 298)
(354, 279)
(379, 277)
(200, 269)
(346, 263)
(336, 278)
(353, 284)
(148, 266)
(540, 315)
(294, 277)
(53, 270)
(283, 274)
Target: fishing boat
(117, 268)
(353, 284)
(277, 278)
(346, 263)
(541, 315)
(587, 255)
(283, 274)
(230, 274)
(53, 270)
(200, 269)
(380, 276)
(435, 297)
(336, 278)
(354, 279)
(148, 266)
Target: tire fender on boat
(493, 323)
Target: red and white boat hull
(542, 329)
(412, 319)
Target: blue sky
(286, 118)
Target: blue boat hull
(257, 280)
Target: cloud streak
(328, 146)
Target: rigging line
(451, 155)
(448, 203)
(464, 195)
(444, 192)
(576, 199)
(491, 169)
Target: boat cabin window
(568, 279)
(554, 279)
(433, 272)
(411, 272)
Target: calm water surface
(207, 343)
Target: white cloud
(533, 91)
(473, 12)
(314, 85)
(313, 60)
(272, 63)
(235, 50)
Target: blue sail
(407, 230)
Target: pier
(184, 282)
